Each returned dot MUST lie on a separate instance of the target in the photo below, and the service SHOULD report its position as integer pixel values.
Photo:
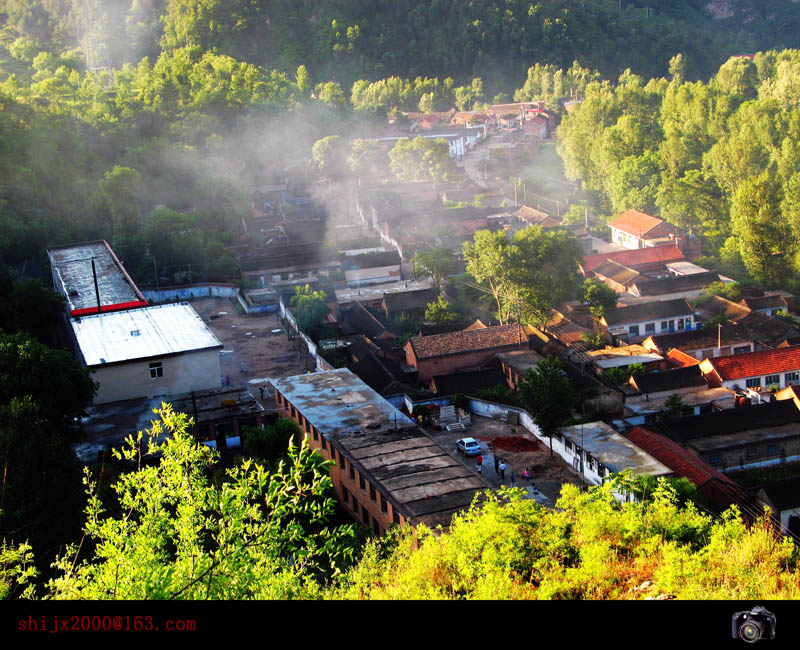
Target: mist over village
(419, 300)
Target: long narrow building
(386, 469)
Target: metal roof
(72, 267)
(142, 333)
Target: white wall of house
(625, 239)
(782, 379)
(650, 327)
(181, 373)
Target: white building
(149, 352)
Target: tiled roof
(735, 420)
(441, 345)
(668, 380)
(701, 339)
(643, 311)
(680, 358)
(756, 364)
(398, 302)
(635, 222)
(636, 257)
(674, 284)
(616, 272)
(717, 488)
(469, 382)
(765, 302)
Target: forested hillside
(344, 41)
(719, 158)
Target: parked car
(468, 446)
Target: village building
(219, 416)
(706, 342)
(634, 229)
(446, 353)
(92, 280)
(598, 451)
(783, 498)
(516, 363)
(676, 286)
(385, 470)
(636, 322)
(754, 370)
(650, 261)
(719, 491)
(653, 391)
(148, 352)
(739, 438)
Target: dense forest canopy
(719, 158)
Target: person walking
(496, 465)
(479, 460)
(526, 475)
(502, 471)
(513, 479)
(480, 469)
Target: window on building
(772, 450)
(715, 459)
(156, 370)
(293, 411)
(333, 453)
(568, 445)
(372, 495)
(365, 515)
(342, 461)
(742, 349)
(664, 326)
(362, 483)
(650, 328)
(752, 452)
(345, 495)
(633, 330)
(772, 379)
(395, 516)
(791, 378)
(705, 408)
(376, 527)
(324, 444)
(384, 505)
(753, 383)
(681, 324)
(352, 472)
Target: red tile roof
(464, 341)
(720, 490)
(635, 222)
(635, 257)
(756, 364)
(679, 358)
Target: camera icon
(758, 623)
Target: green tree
(765, 239)
(310, 309)
(441, 312)
(248, 534)
(420, 159)
(329, 156)
(597, 294)
(436, 263)
(271, 443)
(488, 259)
(548, 396)
(367, 158)
(674, 407)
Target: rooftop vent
(136, 332)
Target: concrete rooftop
(406, 465)
(613, 450)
